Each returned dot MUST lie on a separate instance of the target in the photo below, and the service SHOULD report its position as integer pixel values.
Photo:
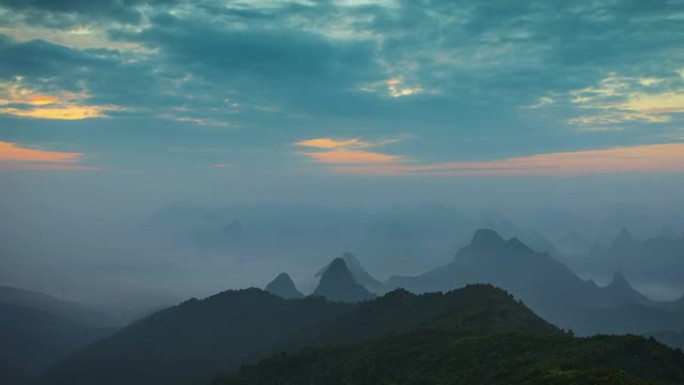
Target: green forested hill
(434, 356)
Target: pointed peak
(619, 278)
(282, 286)
(486, 237)
(338, 284)
(337, 264)
(350, 259)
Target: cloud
(665, 158)
(348, 156)
(22, 102)
(328, 143)
(347, 151)
(16, 157)
(618, 99)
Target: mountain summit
(360, 275)
(338, 284)
(283, 287)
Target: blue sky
(112, 109)
(348, 89)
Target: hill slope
(31, 340)
(192, 342)
(442, 357)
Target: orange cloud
(27, 103)
(15, 157)
(328, 143)
(667, 158)
(347, 156)
(347, 151)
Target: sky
(115, 108)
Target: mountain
(338, 284)
(192, 342)
(624, 243)
(667, 232)
(31, 340)
(621, 290)
(475, 335)
(549, 287)
(537, 278)
(440, 357)
(360, 274)
(283, 287)
(66, 310)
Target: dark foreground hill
(434, 356)
(37, 330)
(193, 342)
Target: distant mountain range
(194, 342)
(547, 286)
(37, 330)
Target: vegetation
(431, 356)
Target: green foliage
(444, 357)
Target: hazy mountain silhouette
(37, 330)
(624, 243)
(283, 287)
(338, 284)
(537, 278)
(66, 310)
(622, 291)
(547, 286)
(360, 275)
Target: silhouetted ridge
(338, 284)
(361, 276)
(622, 291)
(486, 238)
(623, 242)
(282, 286)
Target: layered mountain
(33, 339)
(190, 343)
(283, 287)
(624, 243)
(358, 272)
(623, 292)
(338, 284)
(537, 278)
(548, 286)
(66, 310)
(475, 335)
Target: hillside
(31, 340)
(429, 356)
(192, 342)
